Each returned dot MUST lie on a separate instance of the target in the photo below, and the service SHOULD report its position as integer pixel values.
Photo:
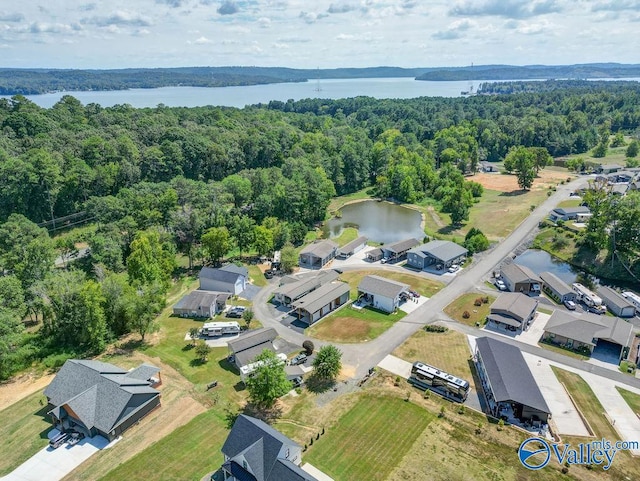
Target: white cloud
(120, 17)
(264, 22)
(202, 41)
(506, 8)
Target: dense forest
(38, 81)
(202, 181)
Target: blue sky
(316, 33)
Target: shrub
(466, 315)
(397, 381)
(435, 328)
(308, 347)
(501, 425)
(485, 300)
(442, 412)
(478, 301)
(479, 428)
(461, 409)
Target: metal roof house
(616, 303)
(321, 301)
(230, 278)
(201, 304)
(589, 331)
(569, 213)
(375, 254)
(398, 250)
(519, 278)
(290, 292)
(382, 293)
(246, 347)
(608, 169)
(436, 252)
(510, 388)
(352, 247)
(254, 451)
(318, 254)
(556, 288)
(98, 398)
(513, 310)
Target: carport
(607, 351)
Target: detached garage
(620, 306)
(381, 293)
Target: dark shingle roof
(252, 338)
(323, 295)
(586, 327)
(555, 283)
(219, 275)
(517, 273)
(401, 246)
(381, 286)
(347, 249)
(509, 375)
(243, 271)
(260, 445)
(580, 209)
(320, 249)
(515, 304)
(197, 299)
(295, 289)
(441, 250)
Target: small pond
(541, 261)
(379, 221)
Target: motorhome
(633, 298)
(588, 297)
(249, 369)
(213, 329)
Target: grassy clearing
(625, 466)
(348, 234)
(256, 275)
(465, 303)
(23, 431)
(573, 202)
(448, 351)
(425, 287)
(632, 399)
(338, 202)
(370, 439)
(189, 452)
(614, 156)
(354, 325)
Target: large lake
(380, 88)
(379, 221)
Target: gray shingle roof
(509, 375)
(580, 209)
(612, 297)
(377, 252)
(320, 249)
(260, 445)
(441, 250)
(515, 304)
(100, 394)
(555, 283)
(381, 286)
(347, 249)
(401, 246)
(587, 327)
(295, 289)
(219, 275)
(517, 273)
(252, 338)
(143, 372)
(241, 270)
(322, 296)
(200, 299)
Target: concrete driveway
(396, 366)
(250, 292)
(54, 464)
(412, 304)
(531, 336)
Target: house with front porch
(519, 278)
(513, 311)
(318, 254)
(436, 253)
(321, 301)
(381, 293)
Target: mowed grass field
(422, 285)
(632, 399)
(624, 466)
(370, 439)
(188, 453)
(23, 431)
(465, 302)
(448, 351)
(354, 325)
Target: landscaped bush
(477, 302)
(435, 328)
(466, 315)
(485, 300)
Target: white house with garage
(230, 278)
(381, 293)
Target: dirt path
(435, 217)
(22, 387)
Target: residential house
(620, 306)
(608, 169)
(436, 253)
(318, 254)
(487, 166)
(513, 311)
(619, 189)
(519, 278)
(621, 177)
(510, 389)
(321, 301)
(201, 304)
(97, 398)
(382, 293)
(556, 288)
(569, 213)
(352, 247)
(398, 250)
(589, 332)
(293, 288)
(247, 346)
(230, 278)
(254, 451)
(375, 255)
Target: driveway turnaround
(55, 464)
(412, 304)
(396, 366)
(315, 472)
(564, 413)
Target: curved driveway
(366, 355)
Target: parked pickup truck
(58, 440)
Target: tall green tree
(327, 363)
(268, 381)
(522, 161)
(150, 260)
(263, 240)
(11, 334)
(216, 243)
(633, 149)
(242, 230)
(288, 258)
(144, 308)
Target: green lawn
(573, 202)
(562, 350)
(188, 453)
(465, 303)
(256, 275)
(624, 466)
(370, 439)
(633, 399)
(348, 234)
(23, 431)
(354, 325)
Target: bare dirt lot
(16, 389)
(509, 183)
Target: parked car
(299, 359)
(570, 305)
(383, 260)
(501, 285)
(339, 271)
(596, 310)
(414, 293)
(75, 438)
(454, 268)
(269, 274)
(58, 440)
(235, 312)
(297, 381)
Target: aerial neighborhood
(323, 290)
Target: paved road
(364, 356)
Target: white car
(454, 268)
(501, 285)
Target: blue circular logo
(530, 448)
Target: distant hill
(38, 81)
